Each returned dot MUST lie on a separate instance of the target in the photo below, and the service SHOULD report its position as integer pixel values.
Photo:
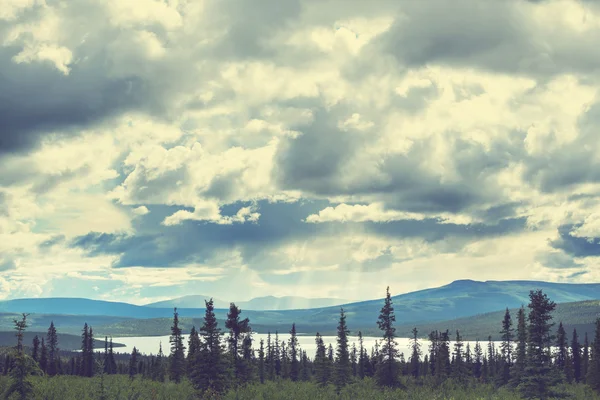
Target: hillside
(193, 301)
(458, 299)
(65, 341)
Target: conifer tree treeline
(530, 358)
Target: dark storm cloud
(433, 230)
(195, 241)
(7, 265)
(37, 99)
(576, 246)
(318, 161)
(53, 241)
(572, 163)
(280, 223)
(500, 36)
(558, 260)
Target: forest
(536, 359)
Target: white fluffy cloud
(156, 134)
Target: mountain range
(459, 299)
(257, 303)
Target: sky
(320, 148)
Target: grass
(120, 387)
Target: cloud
(297, 148)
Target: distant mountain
(463, 298)
(289, 303)
(193, 301)
(258, 303)
(580, 315)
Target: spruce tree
(593, 374)
(354, 360)
(177, 357)
(237, 329)
(277, 356)
(561, 348)
(387, 371)
(416, 354)
(506, 335)
(193, 349)
(585, 358)
(343, 369)
(538, 380)
(90, 367)
(111, 358)
(433, 351)
(270, 360)
(362, 357)
(133, 363)
(261, 361)
(211, 368)
(35, 351)
(576, 356)
(247, 374)
(304, 368)
(52, 348)
(442, 365)
(478, 360)
(518, 369)
(321, 362)
(459, 369)
(85, 333)
(44, 357)
(21, 368)
(293, 354)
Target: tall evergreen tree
(211, 368)
(237, 329)
(387, 371)
(491, 359)
(133, 363)
(20, 385)
(506, 335)
(90, 367)
(261, 361)
(35, 351)
(343, 369)
(44, 357)
(433, 351)
(293, 354)
(518, 369)
(442, 366)
(459, 368)
(270, 361)
(52, 348)
(321, 362)
(177, 357)
(354, 359)
(304, 368)
(478, 360)
(159, 365)
(193, 348)
(85, 351)
(415, 356)
(362, 357)
(111, 358)
(585, 358)
(593, 374)
(538, 380)
(277, 355)
(561, 348)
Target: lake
(150, 344)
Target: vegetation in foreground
(531, 363)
